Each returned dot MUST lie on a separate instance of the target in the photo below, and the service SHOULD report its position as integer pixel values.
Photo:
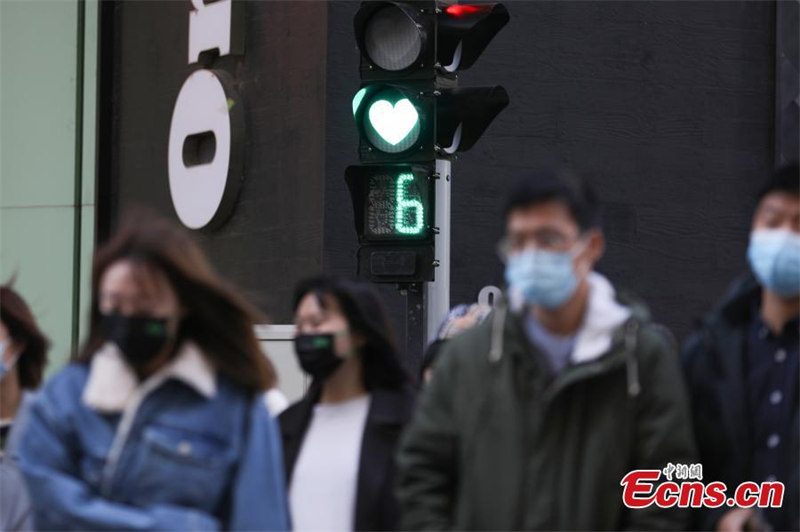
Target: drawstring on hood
(631, 362)
(498, 324)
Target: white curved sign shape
(198, 190)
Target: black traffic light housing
(392, 202)
(396, 264)
(410, 112)
(394, 214)
(420, 142)
(464, 31)
(397, 40)
(422, 40)
(463, 114)
(448, 121)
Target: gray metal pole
(415, 324)
(438, 292)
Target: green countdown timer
(394, 207)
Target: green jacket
(498, 443)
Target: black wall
(667, 108)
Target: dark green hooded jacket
(499, 443)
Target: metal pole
(438, 292)
(415, 324)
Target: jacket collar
(112, 383)
(387, 407)
(602, 318)
(295, 419)
(737, 304)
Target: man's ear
(596, 246)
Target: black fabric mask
(316, 355)
(140, 338)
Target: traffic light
(395, 123)
(423, 40)
(410, 113)
(393, 201)
(392, 205)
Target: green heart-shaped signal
(393, 122)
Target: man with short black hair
(742, 367)
(533, 417)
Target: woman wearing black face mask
(160, 422)
(339, 441)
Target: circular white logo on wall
(204, 143)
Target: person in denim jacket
(23, 356)
(159, 423)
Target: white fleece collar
(603, 315)
(112, 383)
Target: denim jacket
(184, 450)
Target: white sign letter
(210, 28)
(204, 146)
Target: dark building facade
(668, 108)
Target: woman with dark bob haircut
(159, 423)
(340, 439)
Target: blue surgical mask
(5, 367)
(543, 278)
(774, 256)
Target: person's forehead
(130, 277)
(310, 305)
(780, 202)
(551, 213)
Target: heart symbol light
(393, 122)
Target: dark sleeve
(695, 357)
(663, 424)
(427, 456)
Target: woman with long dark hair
(339, 440)
(159, 423)
(23, 356)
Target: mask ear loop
(581, 244)
(8, 367)
(353, 349)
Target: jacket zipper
(123, 433)
(559, 385)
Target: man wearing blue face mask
(533, 417)
(742, 367)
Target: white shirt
(322, 495)
(275, 401)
